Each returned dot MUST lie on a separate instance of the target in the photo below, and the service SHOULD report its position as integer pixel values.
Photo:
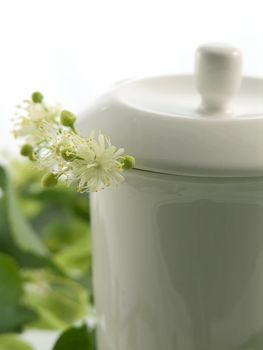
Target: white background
(72, 50)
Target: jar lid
(206, 124)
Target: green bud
(37, 97)
(128, 162)
(26, 150)
(67, 118)
(49, 180)
(68, 156)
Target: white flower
(98, 164)
(51, 140)
(30, 117)
(55, 139)
(91, 163)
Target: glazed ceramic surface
(178, 248)
(178, 263)
(207, 124)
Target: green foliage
(17, 237)
(13, 342)
(78, 338)
(14, 315)
(11, 290)
(73, 260)
(22, 232)
(59, 301)
(45, 259)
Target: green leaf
(10, 282)
(13, 342)
(15, 317)
(13, 314)
(8, 242)
(2, 178)
(77, 338)
(22, 233)
(58, 301)
(75, 260)
(62, 234)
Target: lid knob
(218, 77)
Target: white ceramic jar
(178, 248)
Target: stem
(73, 129)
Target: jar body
(178, 263)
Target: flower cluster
(50, 140)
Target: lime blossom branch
(49, 139)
